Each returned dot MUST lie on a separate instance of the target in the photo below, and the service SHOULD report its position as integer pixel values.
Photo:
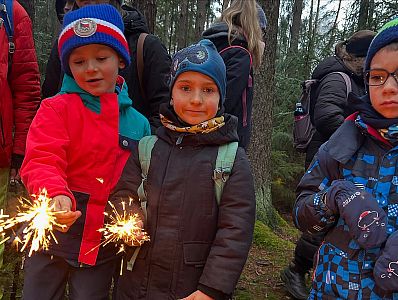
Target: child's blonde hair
(242, 18)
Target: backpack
(6, 19)
(249, 81)
(224, 163)
(303, 129)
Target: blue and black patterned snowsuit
(356, 152)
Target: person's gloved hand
(385, 271)
(365, 219)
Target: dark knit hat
(262, 19)
(92, 24)
(385, 36)
(203, 58)
(358, 43)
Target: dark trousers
(45, 277)
(306, 248)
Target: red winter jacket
(19, 89)
(74, 151)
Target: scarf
(388, 128)
(204, 127)
(131, 123)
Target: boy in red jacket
(76, 149)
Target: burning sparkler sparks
(125, 227)
(39, 219)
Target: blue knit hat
(204, 58)
(385, 36)
(92, 24)
(262, 19)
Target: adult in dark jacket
(327, 113)
(155, 70)
(198, 247)
(239, 26)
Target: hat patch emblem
(85, 27)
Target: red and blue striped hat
(92, 24)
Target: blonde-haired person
(238, 36)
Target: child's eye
(208, 90)
(185, 88)
(376, 78)
(78, 62)
(102, 58)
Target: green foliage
(264, 237)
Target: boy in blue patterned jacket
(350, 190)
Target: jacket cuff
(16, 161)
(216, 294)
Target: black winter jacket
(329, 109)
(155, 74)
(195, 244)
(239, 96)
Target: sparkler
(125, 227)
(40, 220)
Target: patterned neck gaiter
(204, 127)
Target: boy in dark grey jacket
(198, 247)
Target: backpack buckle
(221, 174)
(11, 47)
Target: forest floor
(271, 252)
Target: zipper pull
(179, 139)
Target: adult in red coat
(19, 97)
(20, 89)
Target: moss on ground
(270, 253)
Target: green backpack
(224, 163)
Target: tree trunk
(295, 28)
(294, 37)
(200, 17)
(363, 14)
(225, 4)
(182, 25)
(334, 28)
(148, 8)
(260, 148)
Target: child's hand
(66, 217)
(139, 237)
(364, 217)
(198, 295)
(386, 268)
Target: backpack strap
(346, 78)
(238, 47)
(140, 61)
(145, 147)
(224, 163)
(6, 13)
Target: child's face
(384, 98)
(195, 97)
(95, 68)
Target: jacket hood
(134, 20)
(220, 30)
(225, 134)
(329, 65)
